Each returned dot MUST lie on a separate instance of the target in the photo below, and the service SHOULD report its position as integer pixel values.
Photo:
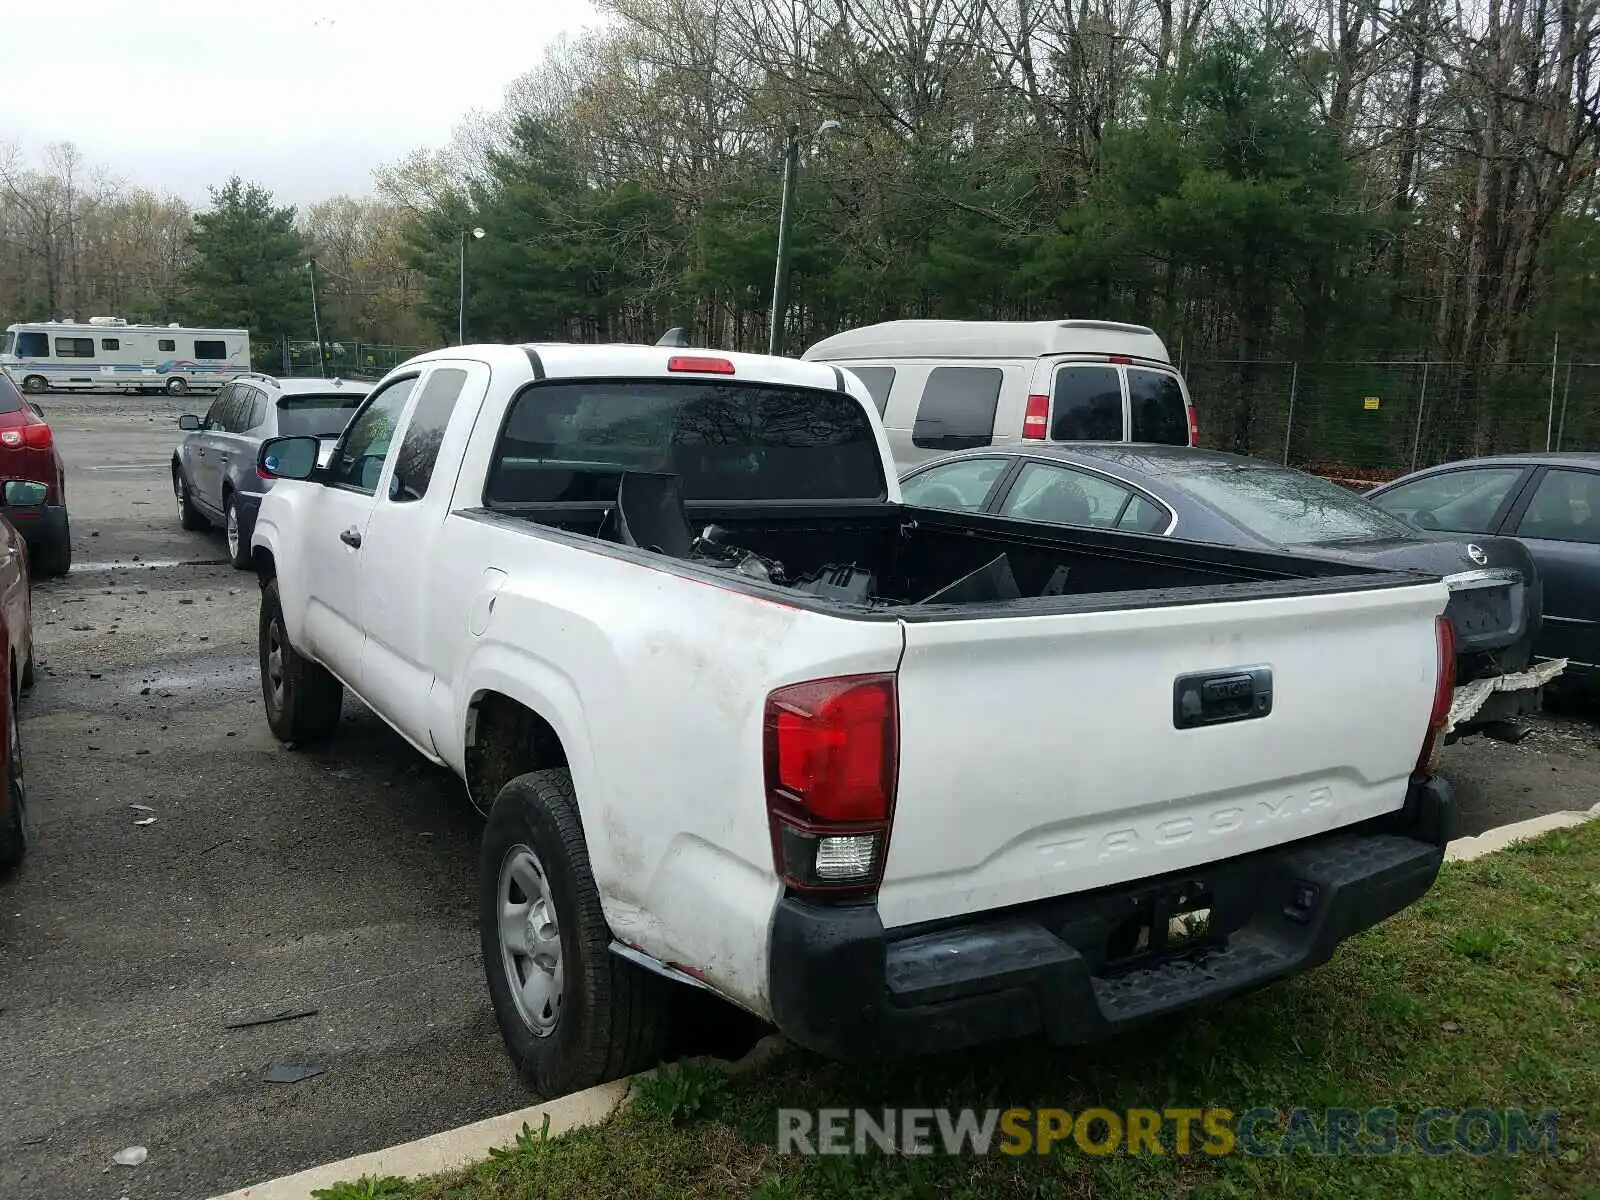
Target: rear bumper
(843, 986)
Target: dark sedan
(1551, 504)
(1212, 496)
(214, 476)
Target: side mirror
(24, 493)
(189, 421)
(289, 457)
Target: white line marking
(150, 466)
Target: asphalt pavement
(273, 880)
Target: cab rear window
(571, 442)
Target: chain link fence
(1371, 421)
(293, 357)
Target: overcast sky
(303, 96)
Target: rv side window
(1156, 411)
(1087, 405)
(33, 345)
(957, 408)
(167, 345)
(210, 351)
(74, 347)
(110, 344)
(878, 381)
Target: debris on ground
(145, 821)
(287, 1014)
(141, 808)
(293, 1072)
(130, 1156)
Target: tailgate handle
(1219, 697)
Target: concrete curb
(1491, 840)
(456, 1148)
(460, 1147)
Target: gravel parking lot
(272, 879)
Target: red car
(16, 666)
(28, 452)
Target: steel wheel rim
(530, 940)
(233, 530)
(275, 667)
(183, 496)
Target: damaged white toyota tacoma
(894, 780)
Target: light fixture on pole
(461, 318)
(780, 274)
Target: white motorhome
(108, 354)
(956, 385)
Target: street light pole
(316, 319)
(780, 274)
(461, 311)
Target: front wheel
(573, 1015)
(301, 697)
(189, 517)
(35, 385)
(15, 828)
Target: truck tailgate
(1041, 755)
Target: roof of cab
(585, 360)
(989, 339)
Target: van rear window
(571, 442)
(1087, 406)
(1156, 408)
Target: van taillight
(831, 760)
(1444, 693)
(1036, 419)
(1194, 426)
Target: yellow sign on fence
(1370, 403)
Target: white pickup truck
(892, 779)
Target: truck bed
(912, 554)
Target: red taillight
(1444, 693)
(10, 437)
(1120, 359)
(702, 365)
(831, 758)
(1036, 419)
(1194, 426)
(38, 436)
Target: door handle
(351, 537)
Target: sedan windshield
(1290, 508)
(316, 416)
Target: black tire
(35, 385)
(188, 515)
(236, 535)
(177, 386)
(613, 1014)
(14, 830)
(303, 699)
(54, 557)
(29, 673)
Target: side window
(957, 408)
(110, 344)
(166, 345)
(358, 459)
(1141, 516)
(209, 351)
(257, 412)
(1087, 405)
(419, 450)
(1156, 411)
(878, 381)
(216, 415)
(959, 486)
(1464, 501)
(1565, 508)
(33, 345)
(74, 347)
(1061, 496)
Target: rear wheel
(238, 547)
(302, 698)
(572, 1013)
(14, 829)
(177, 386)
(188, 515)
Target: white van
(955, 385)
(106, 354)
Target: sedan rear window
(571, 441)
(317, 416)
(10, 398)
(1290, 508)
